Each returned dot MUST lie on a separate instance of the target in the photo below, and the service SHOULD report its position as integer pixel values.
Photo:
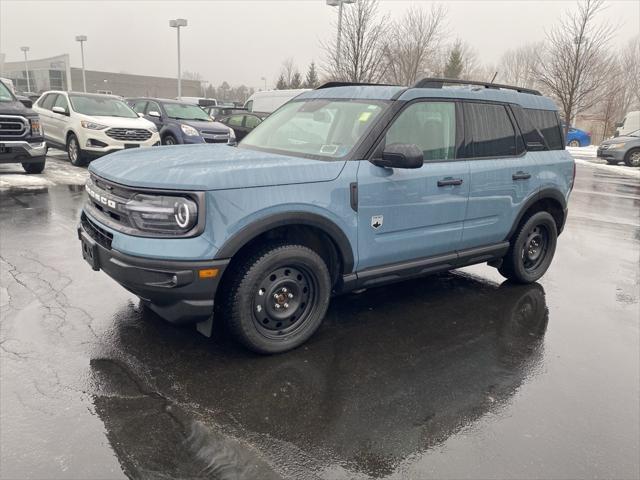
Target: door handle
(521, 176)
(445, 182)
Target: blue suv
(179, 122)
(345, 187)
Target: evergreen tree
(296, 80)
(312, 76)
(282, 83)
(454, 65)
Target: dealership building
(56, 73)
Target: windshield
(5, 93)
(186, 111)
(635, 133)
(315, 128)
(101, 106)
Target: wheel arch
(548, 199)
(301, 224)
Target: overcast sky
(242, 40)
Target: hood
(15, 108)
(623, 138)
(210, 167)
(215, 127)
(118, 122)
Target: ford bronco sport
(345, 187)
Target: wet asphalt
(459, 375)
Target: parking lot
(453, 376)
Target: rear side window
(548, 123)
(235, 121)
(490, 132)
(251, 121)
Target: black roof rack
(351, 84)
(440, 82)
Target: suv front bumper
(175, 290)
(22, 151)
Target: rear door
(407, 214)
(503, 176)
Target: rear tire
(632, 158)
(34, 167)
(76, 156)
(276, 298)
(574, 143)
(532, 249)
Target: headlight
(616, 145)
(92, 125)
(162, 213)
(232, 134)
(188, 130)
(36, 128)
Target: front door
(406, 214)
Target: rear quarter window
(548, 122)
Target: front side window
(429, 125)
(185, 111)
(101, 106)
(489, 130)
(317, 128)
(61, 101)
(139, 107)
(47, 101)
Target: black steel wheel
(531, 250)
(276, 298)
(169, 140)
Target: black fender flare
(233, 244)
(544, 194)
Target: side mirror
(153, 113)
(59, 110)
(140, 114)
(400, 155)
(26, 102)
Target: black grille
(101, 236)
(216, 140)
(129, 134)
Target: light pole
(82, 39)
(264, 79)
(26, 66)
(177, 23)
(339, 3)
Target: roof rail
(350, 84)
(440, 82)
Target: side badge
(376, 221)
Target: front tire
(632, 158)
(76, 156)
(34, 167)
(532, 249)
(277, 297)
(169, 140)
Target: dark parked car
(21, 136)
(180, 122)
(243, 123)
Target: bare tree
(413, 44)
(575, 62)
(289, 71)
(630, 61)
(364, 34)
(516, 67)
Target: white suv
(88, 125)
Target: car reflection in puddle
(393, 372)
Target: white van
(630, 123)
(269, 101)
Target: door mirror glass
(59, 110)
(401, 155)
(153, 113)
